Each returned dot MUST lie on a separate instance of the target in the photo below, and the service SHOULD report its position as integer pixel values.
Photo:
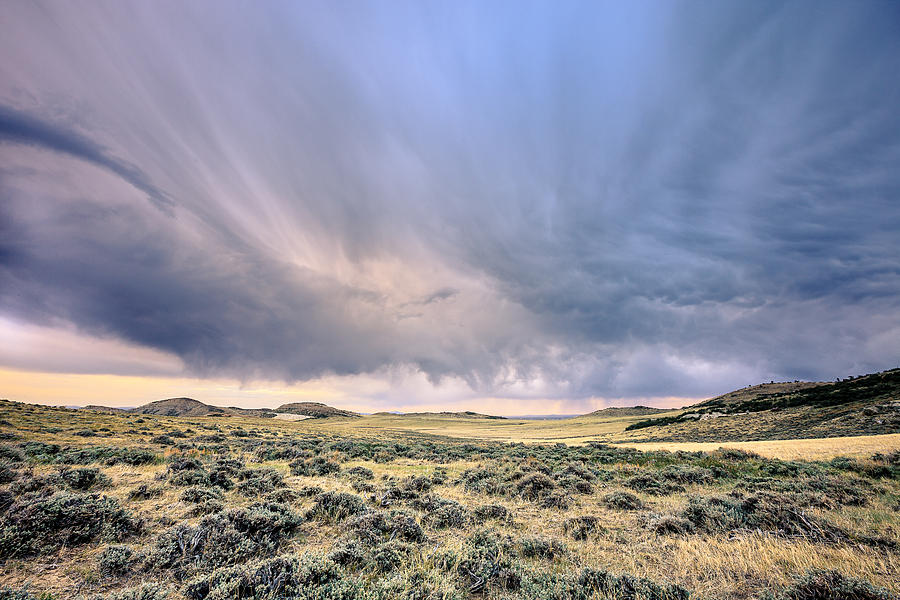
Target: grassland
(145, 507)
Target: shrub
(581, 527)
(768, 512)
(388, 557)
(672, 524)
(84, 478)
(190, 477)
(310, 577)
(830, 585)
(534, 486)
(224, 539)
(484, 564)
(622, 501)
(256, 482)
(558, 500)
(116, 561)
(591, 583)
(199, 495)
(316, 466)
(491, 511)
(39, 525)
(653, 485)
(360, 472)
(350, 553)
(687, 474)
(537, 547)
(283, 495)
(23, 594)
(10, 454)
(336, 506)
(484, 481)
(375, 527)
(450, 514)
(148, 591)
(309, 490)
(145, 492)
(417, 484)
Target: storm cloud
(621, 200)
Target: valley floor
(137, 507)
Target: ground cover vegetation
(146, 507)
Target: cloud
(19, 128)
(555, 202)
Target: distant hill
(468, 414)
(863, 405)
(627, 411)
(180, 407)
(314, 409)
(108, 410)
(189, 407)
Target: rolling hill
(869, 404)
(180, 407)
(314, 409)
(189, 407)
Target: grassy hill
(467, 414)
(627, 411)
(314, 409)
(180, 407)
(864, 405)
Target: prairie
(129, 506)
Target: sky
(510, 207)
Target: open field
(802, 449)
(146, 507)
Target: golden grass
(802, 449)
(729, 566)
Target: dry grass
(803, 449)
(736, 565)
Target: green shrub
(256, 482)
(622, 501)
(312, 576)
(373, 527)
(225, 539)
(148, 591)
(360, 472)
(535, 486)
(485, 564)
(199, 495)
(589, 584)
(491, 511)
(537, 547)
(336, 506)
(670, 524)
(766, 512)
(317, 466)
(39, 525)
(23, 594)
(582, 527)
(145, 492)
(653, 485)
(830, 585)
(116, 561)
(84, 478)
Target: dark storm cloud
(538, 199)
(20, 128)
